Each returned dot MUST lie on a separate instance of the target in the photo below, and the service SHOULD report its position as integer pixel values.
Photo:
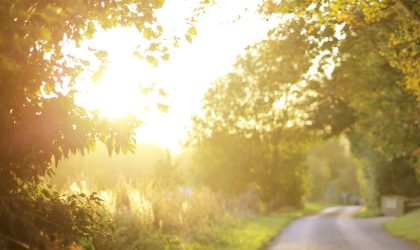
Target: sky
(221, 37)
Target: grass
(143, 218)
(406, 226)
(254, 233)
(369, 213)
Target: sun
(185, 77)
(119, 92)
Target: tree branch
(21, 244)
(407, 8)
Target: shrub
(35, 216)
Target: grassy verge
(369, 213)
(253, 233)
(406, 226)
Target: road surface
(335, 229)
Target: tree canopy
(329, 68)
(395, 23)
(40, 121)
(347, 68)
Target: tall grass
(151, 215)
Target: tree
(252, 135)
(355, 41)
(385, 118)
(224, 163)
(363, 96)
(332, 169)
(396, 25)
(331, 77)
(379, 175)
(363, 89)
(40, 121)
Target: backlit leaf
(192, 31)
(188, 37)
(152, 60)
(162, 107)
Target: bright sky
(185, 77)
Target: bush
(149, 215)
(35, 216)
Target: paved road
(335, 229)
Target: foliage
(230, 155)
(332, 169)
(331, 67)
(253, 124)
(49, 220)
(275, 172)
(355, 88)
(366, 84)
(395, 23)
(166, 172)
(379, 175)
(373, 48)
(40, 121)
(234, 164)
(151, 215)
(337, 67)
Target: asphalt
(336, 228)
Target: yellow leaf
(188, 37)
(165, 57)
(164, 108)
(148, 33)
(152, 60)
(97, 75)
(163, 93)
(192, 31)
(138, 55)
(176, 44)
